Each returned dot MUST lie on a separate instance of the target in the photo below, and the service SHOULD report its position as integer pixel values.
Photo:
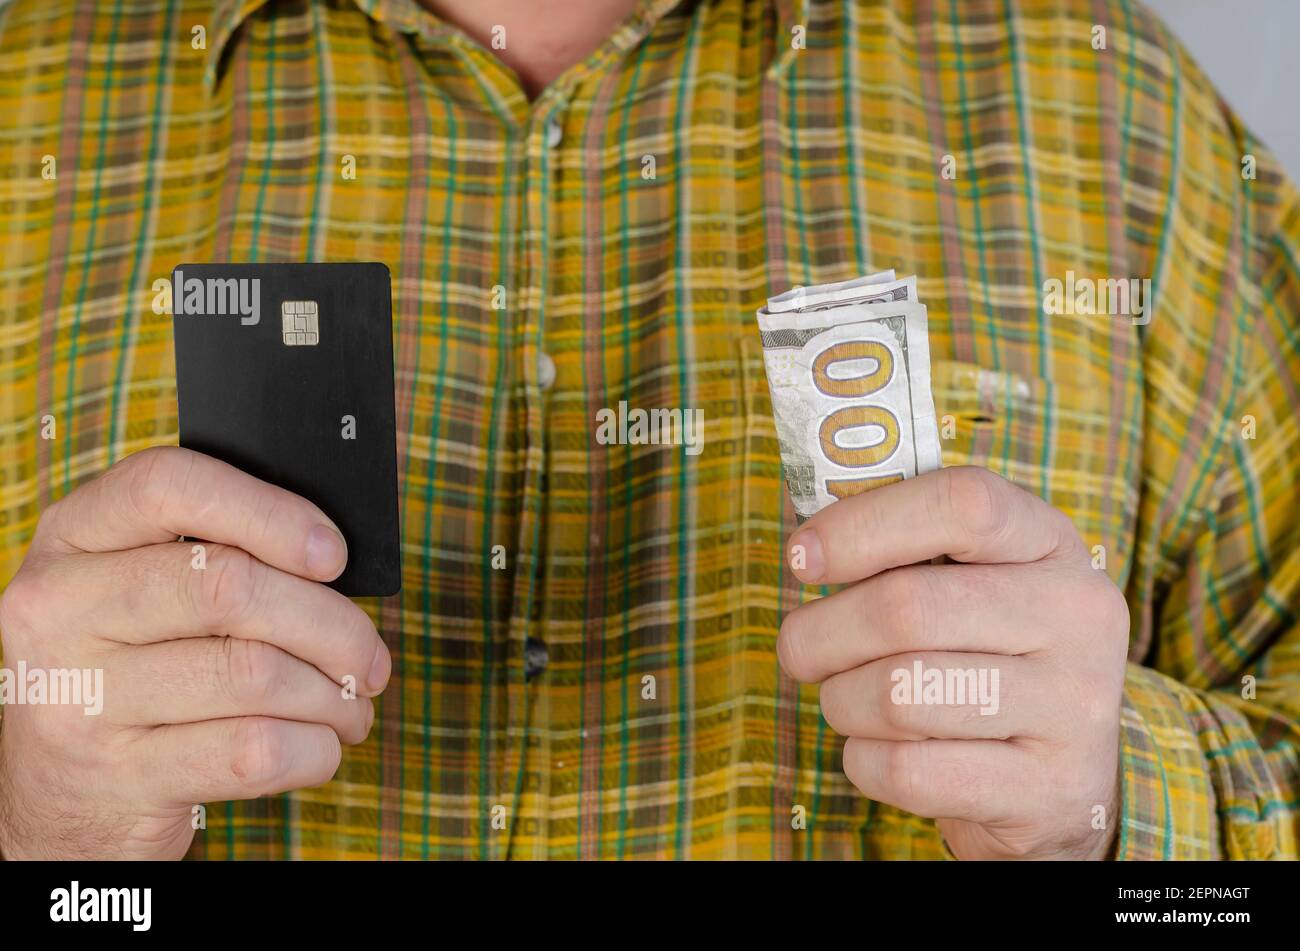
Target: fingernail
(370, 715)
(326, 552)
(378, 675)
(807, 560)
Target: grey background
(1251, 50)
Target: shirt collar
(789, 14)
(409, 17)
(227, 15)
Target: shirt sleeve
(1210, 726)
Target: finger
(157, 593)
(978, 609)
(217, 678)
(939, 696)
(242, 758)
(976, 780)
(967, 513)
(155, 495)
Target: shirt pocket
(1073, 445)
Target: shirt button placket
(552, 136)
(535, 653)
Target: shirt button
(545, 371)
(554, 133)
(536, 657)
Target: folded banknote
(848, 367)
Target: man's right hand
(220, 682)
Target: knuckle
(1097, 619)
(352, 641)
(899, 770)
(1097, 696)
(358, 722)
(363, 641)
(902, 599)
(910, 720)
(254, 671)
(865, 526)
(227, 586)
(51, 511)
(22, 602)
(1067, 534)
(1108, 610)
(267, 510)
(974, 500)
(325, 759)
(150, 477)
(899, 716)
(49, 517)
(256, 754)
(896, 715)
(831, 699)
(792, 647)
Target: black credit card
(286, 372)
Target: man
(600, 649)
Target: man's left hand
(1028, 765)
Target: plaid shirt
(620, 231)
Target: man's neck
(538, 39)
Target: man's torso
(624, 227)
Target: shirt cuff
(1167, 797)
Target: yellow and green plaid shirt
(621, 230)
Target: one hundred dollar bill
(874, 288)
(848, 367)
